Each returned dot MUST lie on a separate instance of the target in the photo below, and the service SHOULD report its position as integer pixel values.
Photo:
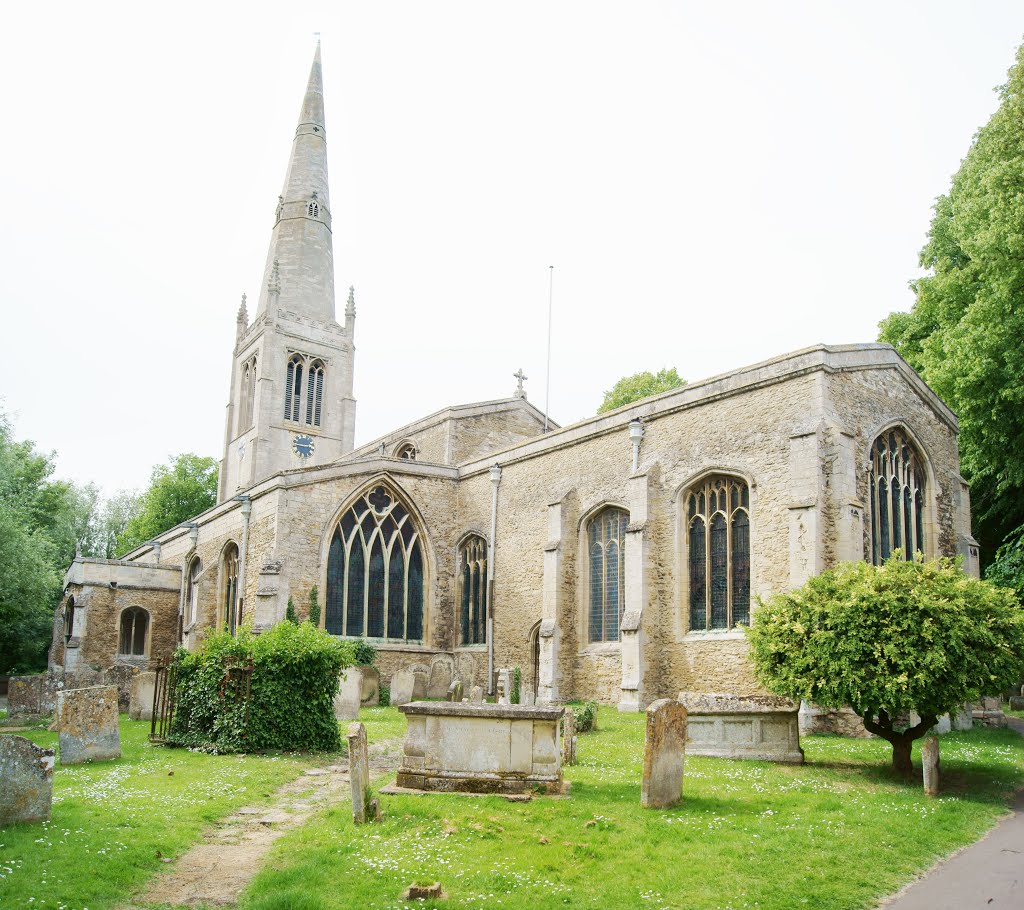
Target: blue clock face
(303, 446)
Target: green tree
(178, 491)
(963, 334)
(640, 385)
(905, 636)
(1007, 569)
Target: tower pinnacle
(300, 242)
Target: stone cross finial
(520, 377)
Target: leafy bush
(290, 614)
(365, 654)
(384, 696)
(586, 715)
(291, 692)
(905, 636)
(314, 606)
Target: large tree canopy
(178, 491)
(964, 332)
(887, 640)
(640, 385)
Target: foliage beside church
(286, 702)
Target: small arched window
(407, 451)
(192, 591)
(69, 619)
(134, 625)
(293, 388)
(375, 571)
(473, 590)
(232, 604)
(718, 550)
(314, 393)
(606, 549)
(897, 490)
(247, 397)
(313, 209)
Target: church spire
(300, 243)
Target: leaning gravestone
(440, 680)
(363, 808)
(476, 695)
(569, 737)
(88, 724)
(930, 765)
(350, 688)
(664, 754)
(26, 781)
(140, 705)
(455, 691)
(407, 686)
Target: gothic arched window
(473, 590)
(606, 550)
(407, 451)
(69, 619)
(293, 388)
(375, 571)
(718, 551)
(132, 640)
(314, 392)
(232, 605)
(313, 209)
(897, 488)
(247, 396)
(192, 591)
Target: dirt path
(215, 871)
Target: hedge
(290, 705)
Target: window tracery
(718, 553)
(896, 480)
(407, 451)
(473, 590)
(375, 570)
(606, 538)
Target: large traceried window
(473, 590)
(192, 591)
(132, 640)
(718, 553)
(304, 408)
(232, 605)
(897, 489)
(375, 571)
(248, 393)
(606, 550)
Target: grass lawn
(838, 832)
(112, 822)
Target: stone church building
(613, 559)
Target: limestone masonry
(615, 559)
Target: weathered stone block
(88, 723)
(359, 773)
(452, 746)
(930, 765)
(963, 719)
(476, 695)
(569, 738)
(761, 727)
(140, 706)
(838, 721)
(1017, 702)
(664, 754)
(26, 781)
(440, 680)
(455, 691)
(369, 694)
(407, 686)
(349, 697)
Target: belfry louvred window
(314, 392)
(606, 549)
(375, 569)
(473, 590)
(303, 403)
(896, 480)
(718, 553)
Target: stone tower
(291, 403)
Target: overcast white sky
(715, 184)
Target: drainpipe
(246, 510)
(495, 480)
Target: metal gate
(163, 703)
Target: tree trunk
(901, 762)
(901, 742)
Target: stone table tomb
(761, 727)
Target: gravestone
(526, 695)
(363, 808)
(350, 690)
(963, 719)
(407, 686)
(664, 754)
(140, 705)
(369, 694)
(455, 691)
(504, 686)
(1017, 702)
(88, 724)
(476, 695)
(26, 781)
(930, 765)
(440, 680)
(569, 737)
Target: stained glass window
(606, 539)
(718, 551)
(473, 574)
(897, 481)
(375, 571)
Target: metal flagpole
(547, 381)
